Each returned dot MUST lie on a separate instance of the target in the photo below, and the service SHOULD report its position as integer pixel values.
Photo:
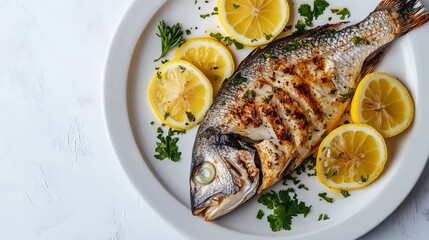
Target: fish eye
(205, 174)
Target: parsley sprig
(167, 145)
(170, 37)
(284, 208)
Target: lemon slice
(383, 102)
(253, 22)
(180, 94)
(210, 56)
(351, 157)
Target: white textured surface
(59, 178)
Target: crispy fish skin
(272, 113)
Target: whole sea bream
(273, 112)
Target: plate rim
(120, 129)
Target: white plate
(164, 184)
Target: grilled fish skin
(272, 113)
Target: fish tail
(412, 13)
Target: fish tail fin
(412, 13)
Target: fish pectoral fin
(273, 162)
(372, 61)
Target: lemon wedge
(180, 94)
(210, 56)
(383, 102)
(253, 22)
(351, 157)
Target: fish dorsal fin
(306, 33)
(319, 30)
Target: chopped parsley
(330, 174)
(266, 55)
(323, 216)
(158, 75)
(204, 16)
(343, 13)
(218, 36)
(190, 116)
(286, 177)
(268, 36)
(305, 11)
(268, 98)
(274, 89)
(319, 7)
(300, 26)
(345, 193)
(170, 37)
(188, 32)
(348, 95)
(297, 44)
(309, 14)
(301, 186)
(182, 68)
(357, 40)
(363, 179)
(249, 94)
(167, 147)
(260, 214)
(164, 61)
(152, 123)
(235, 6)
(284, 208)
(238, 79)
(324, 196)
(227, 40)
(230, 41)
(166, 115)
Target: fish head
(223, 175)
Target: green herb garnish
(182, 68)
(309, 14)
(323, 216)
(268, 36)
(284, 208)
(300, 26)
(218, 36)
(204, 16)
(235, 6)
(249, 94)
(170, 37)
(229, 41)
(260, 214)
(300, 186)
(348, 95)
(166, 115)
(345, 193)
(357, 40)
(190, 116)
(343, 13)
(268, 98)
(167, 147)
(324, 196)
(330, 174)
(238, 79)
(319, 7)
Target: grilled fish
(273, 112)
